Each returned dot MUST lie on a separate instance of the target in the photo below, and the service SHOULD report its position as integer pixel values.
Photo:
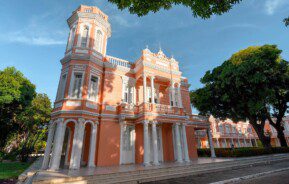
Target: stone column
(144, 88)
(173, 93)
(146, 142)
(186, 152)
(218, 143)
(226, 145)
(122, 129)
(152, 89)
(92, 146)
(155, 143)
(57, 145)
(180, 97)
(178, 142)
(48, 145)
(257, 143)
(239, 144)
(213, 155)
(77, 145)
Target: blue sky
(33, 35)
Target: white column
(186, 152)
(257, 143)
(57, 145)
(77, 145)
(218, 143)
(213, 155)
(122, 129)
(92, 146)
(239, 144)
(226, 145)
(144, 88)
(245, 142)
(146, 142)
(48, 145)
(152, 89)
(155, 143)
(180, 97)
(178, 142)
(173, 94)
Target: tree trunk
(265, 140)
(281, 137)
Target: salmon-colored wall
(192, 144)
(168, 145)
(109, 143)
(139, 150)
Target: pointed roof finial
(147, 47)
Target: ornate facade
(109, 111)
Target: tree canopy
(200, 8)
(24, 114)
(244, 87)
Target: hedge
(242, 152)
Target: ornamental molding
(80, 112)
(97, 19)
(86, 57)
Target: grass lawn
(12, 169)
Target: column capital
(81, 120)
(155, 123)
(60, 120)
(152, 77)
(145, 122)
(144, 75)
(96, 123)
(177, 124)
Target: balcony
(118, 61)
(149, 107)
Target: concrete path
(230, 176)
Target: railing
(129, 107)
(164, 109)
(118, 61)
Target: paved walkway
(229, 174)
(122, 168)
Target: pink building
(110, 111)
(227, 133)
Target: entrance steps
(156, 173)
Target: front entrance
(128, 145)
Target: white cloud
(30, 40)
(272, 5)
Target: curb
(234, 180)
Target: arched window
(98, 41)
(84, 36)
(71, 38)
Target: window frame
(89, 87)
(72, 84)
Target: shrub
(242, 152)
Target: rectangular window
(227, 128)
(93, 88)
(221, 128)
(127, 94)
(76, 89)
(61, 87)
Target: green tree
(244, 88)
(16, 93)
(34, 121)
(200, 8)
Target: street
(280, 177)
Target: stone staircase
(161, 173)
